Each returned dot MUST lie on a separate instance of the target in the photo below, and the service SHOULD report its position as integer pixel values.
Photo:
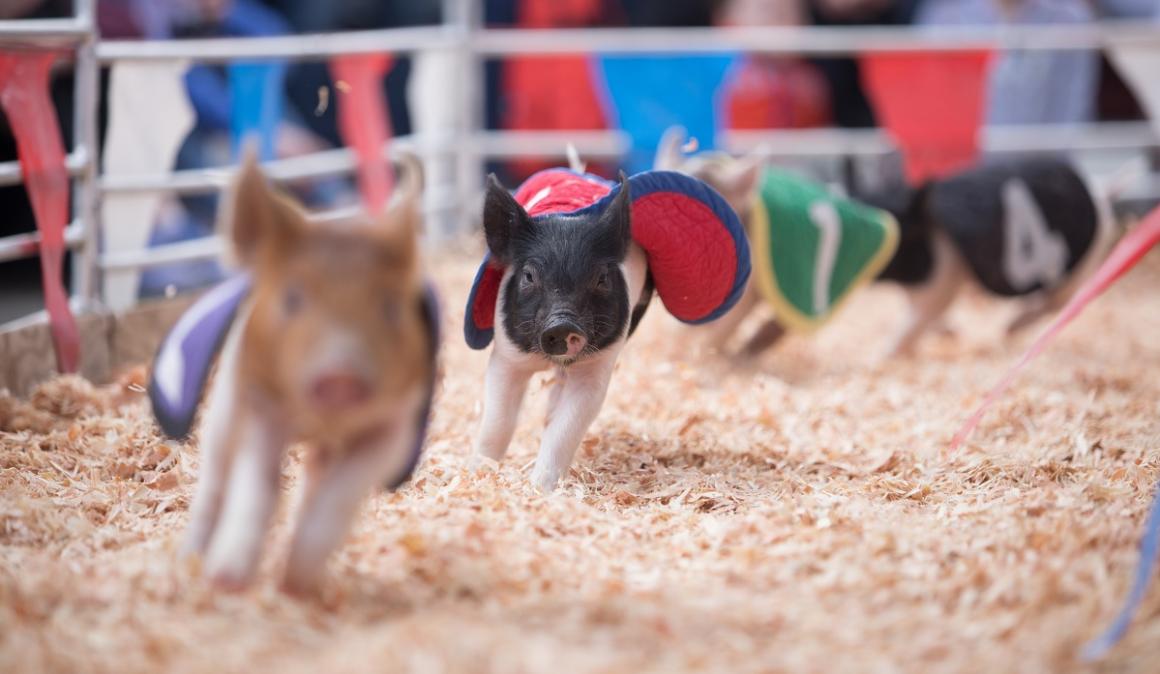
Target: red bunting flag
(363, 121)
(932, 103)
(1125, 256)
(25, 98)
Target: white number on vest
(829, 223)
(1032, 253)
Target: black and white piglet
(1030, 228)
(573, 263)
(573, 289)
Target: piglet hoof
(1021, 323)
(545, 481)
(742, 362)
(891, 359)
(945, 331)
(301, 586)
(901, 350)
(195, 538)
(192, 546)
(481, 464)
(229, 580)
(228, 574)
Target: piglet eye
(529, 276)
(292, 300)
(602, 281)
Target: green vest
(811, 249)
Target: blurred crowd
(528, 93)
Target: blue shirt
(209, 89)
(1128, 9)
(1029, 87)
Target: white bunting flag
(1139, 65)
(149, 117)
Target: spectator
(1127, 9)
(1029, 87)
(20, 9)
(671, 12)
(773, 91)
(209, 144)
(850, 105)
(324, 16)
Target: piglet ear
(617, 216)
(742, 178)
(503, 220)
(399, 227)
(253, 216)
(406, 205)
(669, 156)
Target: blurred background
(726, 99)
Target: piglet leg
(252, 491)
(335, 486)
(929, 303)
(503, 396)
(767, 335)
(1038, 306)
(554, 393)
(218, 441)
(719, 332)
(217, 448)
(942, 327)
(925, 310)
(581, 396)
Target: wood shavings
(799, 516)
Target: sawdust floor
(800, 516)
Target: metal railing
(468, 144)
(812, 40)
(79, 36)
(48, 32)
(292, 47)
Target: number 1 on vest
(829, 223)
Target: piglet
(573, 290)
(333, 346)
(1030, 228)
(736, 180)
(573, 262)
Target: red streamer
(932, 103)
(1125, 256)
(24, 96)
(364, 123)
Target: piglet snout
(563, 339)
(340, 389)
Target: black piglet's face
(566, 296)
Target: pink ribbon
(25, 99)
(364, 123)
(1125, 256)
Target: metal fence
(468, 144)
